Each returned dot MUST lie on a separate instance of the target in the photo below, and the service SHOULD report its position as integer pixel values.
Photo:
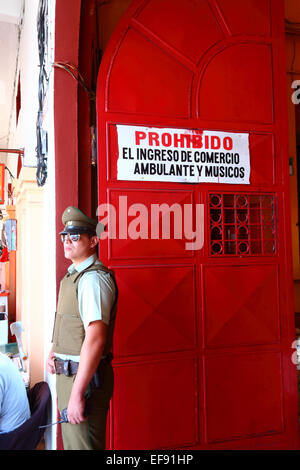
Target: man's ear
(94, 241)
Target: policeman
(82, 337)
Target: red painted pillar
(67, 22)
(86, 49)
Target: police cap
(76, 221)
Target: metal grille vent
(242, 224)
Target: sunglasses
(73, 237)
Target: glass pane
(228, 200)
(256, 247)
(229, 232)
(255, 201)
(255, 232)
(255, 216)
(230, 248)
(268, 232)
(268, 215)
(229, 216)
(269, 247)
(267, 201)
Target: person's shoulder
(96, 272)
(98, 268)
(6, 365)
(4, 360)
(98, 276)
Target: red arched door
(203, 335)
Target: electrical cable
(41, 148)
(72, 70)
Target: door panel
(163, 386)
(145, 86)
(178, 26)
(250, 395)
(202, 348)
(262, 169)
(147, 207)
(226, 99)
(165, 318)
(241, 306)
(240, 16)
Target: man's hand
(76, 409)
(50, 363)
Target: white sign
(187, 156)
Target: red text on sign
(198, 141)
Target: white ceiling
(10, 11)
(10, 14)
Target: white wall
(9, 42)
(24, 135)
(36, 268)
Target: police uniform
(88, 292)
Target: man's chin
(68, 254)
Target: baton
(63, 419)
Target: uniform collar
(82, 266)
